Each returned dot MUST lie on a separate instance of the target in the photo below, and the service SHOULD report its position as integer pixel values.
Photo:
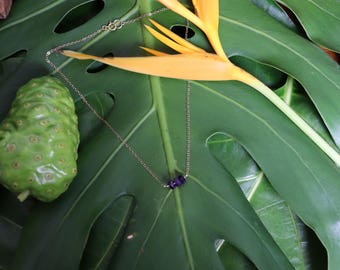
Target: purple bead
(176, 182)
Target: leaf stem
(288, 93)
(250, 80)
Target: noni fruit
(39, 139)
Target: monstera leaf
(115, 215)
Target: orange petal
(167, 41)
(207, 20)
(207, 11)
(177, 38)
(177, 7)
(153, 52)
(195, 66)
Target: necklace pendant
(177, 181)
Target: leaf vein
(152, 227)
(184, 230)
(31, 15)
(219, 198)
(324, 10)
(283, 45)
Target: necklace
(112, 26)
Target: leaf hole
(88, 123)
(230, 256)
(181, 31)
(96, 66)
(10, 63)
(112, 97)
(17, 54)
(269, 75)
(107, 233)
(79, 15)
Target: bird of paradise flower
(194, 63)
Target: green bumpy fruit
(39, 140)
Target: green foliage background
(260, 194)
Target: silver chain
(113, 26)
(187, 119)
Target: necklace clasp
(113, 26)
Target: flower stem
(250, 80)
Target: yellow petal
(177, 38)
(195, 66)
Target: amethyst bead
(177, 181)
